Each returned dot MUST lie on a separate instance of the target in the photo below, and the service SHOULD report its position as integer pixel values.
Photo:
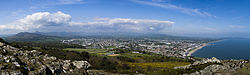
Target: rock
(209, 70)
(66, 64)
(16, 64)
(4, 51)
(204, 61)
(12, 60)
(81, 64)
(42, 69)
(1, 44)
(215, 60)
(1, 67)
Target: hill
(26, 36)
(15, 61)
(51, 61)
(57, 36)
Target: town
(176, 48)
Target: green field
(36, 48)
(159, 64)
(109, 47)
(87, 50)
(134, 55)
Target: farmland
(86, 50)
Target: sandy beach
(203, 45)
(194, 50)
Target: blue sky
(177, 17)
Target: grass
(134, 55)
(109, 47)
(153, 68)
(114, 55)
(98, 51)
(159, 64)
(36, 47)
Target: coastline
(196, 49)
(203, 45)
(215, 41)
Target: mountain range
(57, 36)
(26, 36)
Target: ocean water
(226, 49)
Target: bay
(226, 49)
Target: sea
(226, 49)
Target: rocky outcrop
(16, 61)
(204, 61)
(209, 70)
(225, 67)
(81, 64)
(1, 44)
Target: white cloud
(60, 21)
(123, 24)
(39, 19)
(158, 3)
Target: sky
(203, 18)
